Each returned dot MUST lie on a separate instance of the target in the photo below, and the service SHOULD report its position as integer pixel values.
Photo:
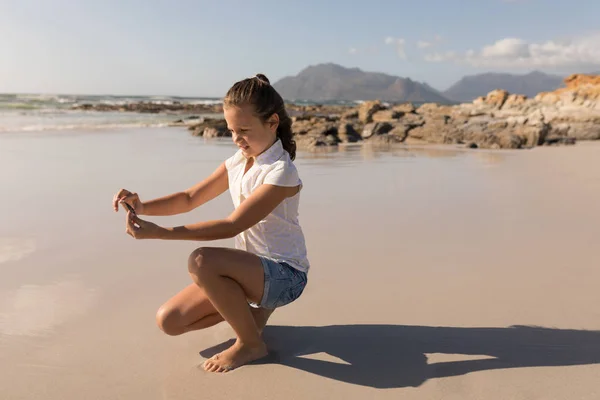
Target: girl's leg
(190, 310)
(230, 278)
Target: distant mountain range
(328, 82)
(325, 82)
(473, 86)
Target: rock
(400, 131)
(350, 114)
(303, 117)
(479, 101)
(554, 140)
(314, 127)
(576, 81)
(347, 133)
(212, 132)
(308, 111)
(436, 130)
(376, 128)
(412, 120)
(580, 91)
(210, 127)
(583, 131)
(494, 99)
(533, 135)
(490, 132)
(387, 115)
(549, 98)
(312, 142)
(405, 108)
(324, 118)
(435, 110)
(515, 101)
(367, 109)
(402, 126)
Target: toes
(211, 366)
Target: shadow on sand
(395, 356)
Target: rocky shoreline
(497, 121)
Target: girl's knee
(169, 321)
(201, 261)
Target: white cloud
(506, 48)
(354, 51)
(425, 44)
(441, 57)
(398, 43)
(517, 53)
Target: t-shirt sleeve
(283, 175)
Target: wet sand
(436, 273)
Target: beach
(436, 272)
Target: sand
(436, 273)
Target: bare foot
(261, 316)
(235, 356)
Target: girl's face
(248, 132)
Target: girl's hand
(144, 229)
(125, 196)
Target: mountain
(473, 86)
(329, 81)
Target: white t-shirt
(278, 236)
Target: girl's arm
(182, 202)
(252, 210)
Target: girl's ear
(273, 122)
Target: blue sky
(199, 48)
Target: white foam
(84, 126)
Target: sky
(201, 47)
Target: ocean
(54, 112)
(42, 112)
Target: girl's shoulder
(282, 172)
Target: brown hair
(258, 92)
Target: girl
(268, 268)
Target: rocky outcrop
(367, 109)
(210, 128)
(348, 134)
(499, 120)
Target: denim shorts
(283, 284)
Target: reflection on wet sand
(374, 151)
(34, 310)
